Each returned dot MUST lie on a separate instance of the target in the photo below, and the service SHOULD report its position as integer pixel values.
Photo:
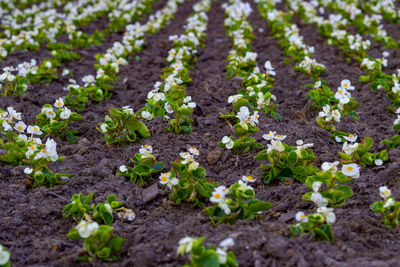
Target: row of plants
(47, 70)
(27, 31)
(333, 105)
(352, 14)
(168, 98)
(22, 147)
(255, 96)
(355, 47)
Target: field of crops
(199, 132)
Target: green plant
(207, 256)
(235, 203)
(122, 127)
(394, 142)
(57, 122)
(187, 180)
(145, 165)
(389, 208)
(80, 207)
(244, 127)
(286, 161)
(318, 224)
(360, 154)
(337, 193)
(99, 241)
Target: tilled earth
(31, 222)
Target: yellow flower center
(19, 127)
(58, 103)
(164, 178)
(35, 128)
(217, 196)
(32, 147)
(386, 192)
(349, 168)
(250, 178)
(302, 216)
(345, 85)
(340, 91)
(351, 136)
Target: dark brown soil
(31, 222)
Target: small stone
(287, 217)
(214, 155)
(150, 193)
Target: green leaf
(157, 166)
(292, 157)
(142, 170)
(257, 205)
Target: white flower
(7, 127)
(389, 202)
(127, 214)
(59, 103)
(336, 115)
(378, 162)
(146, 115)
(194, 151)
(328, 213)
(217, 196)
(49, 112)
(86, 229)
(318, 199)
(248, 179)
(65, 113)
(275, 145)
(123, 168)
(185, 245)
(88, 79)
(34, 130)
(279, 137)
(326, 166)
(384, 192)
(338, 139)
(351, 138)
(342, 95)
(228, 142)
(103, 127)
(269, 69)
(4, 256)
(269, 136)
(234, 98)
(301, 217)
(227, 243)
(20, 126)
(222, 256)
(28, 170)
(346, 84)
(127, 110)
(168, 108)
(164, 177)
(243, 114)
(351, 170)
(225, 208)
(146, 149)
(349, 148)
(316, 185)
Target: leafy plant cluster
(95, 226)
(23, 147)
(169, 97)
(144, 165)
